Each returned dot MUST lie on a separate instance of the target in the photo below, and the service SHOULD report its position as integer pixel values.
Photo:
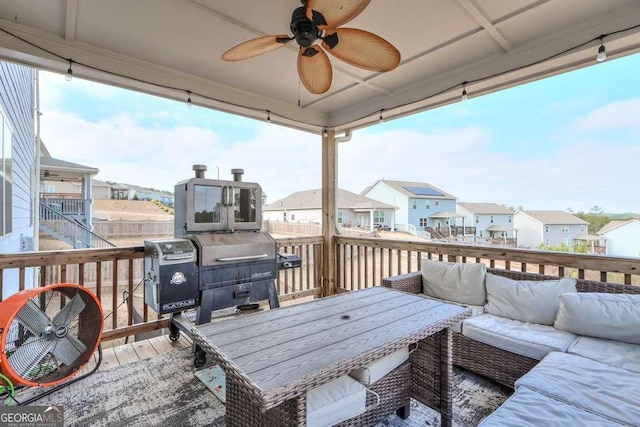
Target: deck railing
(363, 262)
(115, 275)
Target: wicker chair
(500, 365)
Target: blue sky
(568, 141)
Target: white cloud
(615, 116)
(460, 161)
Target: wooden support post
(329, 183)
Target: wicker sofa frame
(502, 366)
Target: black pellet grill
(219, 258)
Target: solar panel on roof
(423, 191)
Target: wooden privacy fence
(364, 262)
(115, 275)
(114, 229)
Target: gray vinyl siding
(17, 103)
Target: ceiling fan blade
(29, 354)
(314, 69)
(362, 49)
(337, 12)
(255, 47)
(34, 319)
(67, 349)
(70, 311)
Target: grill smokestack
(200, 170)
(237, 174)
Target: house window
(284, 216)
(423, 222)
(546, 229)
(567, 242)
(415, 204)
(378, 217)
(547, 242)
(491, 219)
(477, 219)
(509, 219)
(437, 203)
(339, 218)
(427, 206)
(565, 228)
(293, 217)
(582, 229)
(6, 180)
(51, 188)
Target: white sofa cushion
(613, 353)
(526, 339)
(526, 300)
(458, 282)
(381, 367)
(587, 384)
(335, 401)
(601, 315)
(527, 408)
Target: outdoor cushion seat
(335, 401)
(526, 339)
(593, 386)
(381, 367)
(527, 408)
(614, 353)
(462, 283)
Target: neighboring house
(352, 209)
(622, 237)
(551, 228)
(418, 204)
(101, 190)
(18, 168)
(141, 193)
(490, 220)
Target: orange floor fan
(48, 334)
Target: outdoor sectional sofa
(569, 347)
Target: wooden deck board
(126, 354)
(161, 344)
(109, 359)
(144, 349)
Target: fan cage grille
(43, 367)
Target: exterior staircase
(69, 230)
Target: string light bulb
(465, 97)
(189, 99)
(69, 74)
(325, 132)
(380, 119)
(268, 117)
(602, 52)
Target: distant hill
(623, 215)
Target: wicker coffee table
(271, 359)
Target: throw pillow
(601, 315)
(526, 300)
(457, 282)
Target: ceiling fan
(319, 20)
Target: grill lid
(228, 248)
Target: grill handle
(225, 196)
(176, 257)
(242, 258)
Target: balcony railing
(115, 274)
(363, 262)
(64, 204)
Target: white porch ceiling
(169, 47)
